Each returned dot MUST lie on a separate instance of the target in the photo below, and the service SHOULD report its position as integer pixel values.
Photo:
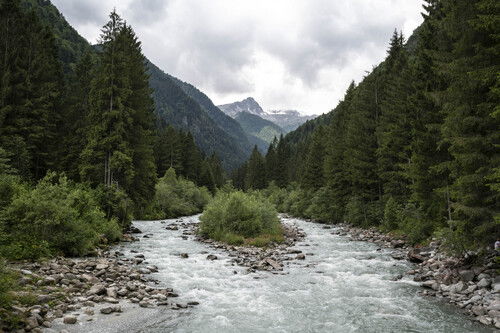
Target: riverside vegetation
(413, 148)
(81, 149)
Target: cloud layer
(287, 54)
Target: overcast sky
(287, 54)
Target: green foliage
(414, 147)
(231, 216)
(392, 215)
(55, 217)
(116, 204)
(256, 126)
(176, 196)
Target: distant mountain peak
(249, 105)
(288, 120)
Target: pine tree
(31, 85)
(336, 169)
(313, 175)
(283, 162)
(272, 167)
(469, 128)
(119, 147)
(256, 171)
(361, 146)
(394, 122)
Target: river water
(344, 286)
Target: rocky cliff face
(288, 120)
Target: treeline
(91, 122)
(415, 146)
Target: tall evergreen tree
(30, 91)
(469, 128)
(313, 175)
(256, 171)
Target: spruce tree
(313, 174)
(469, 128)
(30, 91)
(255, 177)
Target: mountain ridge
(287, 120)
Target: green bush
(116, 204)
(393, 215)
(363, 214)
(176, 196)
(55, 217)
(234, 216)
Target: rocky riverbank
(69, 291)
(271, 258)
(473, 286)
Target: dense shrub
(55, 217)
(116, 204)
(237, 217)
(176, 196)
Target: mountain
(288, 120)
(177, 103)
(174, 106)
(248, 105)
(228, 124)
(259, 128)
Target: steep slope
(256, 126)
(175, 107)
(71, 46)
(177, 103)
(228, 124)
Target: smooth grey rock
(70, 320)
(97, 289)
(484, 283)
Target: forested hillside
(414, 147)
(81, 147)
(176, 102)
(259, 128)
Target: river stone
(485, 320)
(495, 305)
(184, 255)
(110, 300)
(484, 283)
(457, 288)
(32, 322)
(144, 304)
(211, 257)
(97, 289)
(89, 278)
(107, 310)
(496, 288)
(111, 292)
(70, 320)
(478, 310)
(466, 275)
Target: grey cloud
(80, 12)
(147, 11)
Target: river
(342, 286)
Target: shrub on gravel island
(236, 217)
